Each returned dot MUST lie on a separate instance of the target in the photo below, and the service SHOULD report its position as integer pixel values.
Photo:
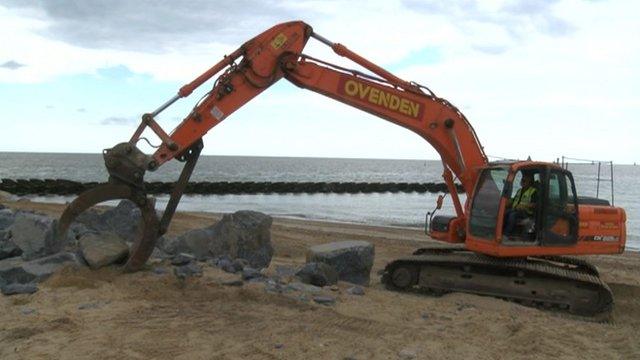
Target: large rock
(6, 218)
(15, 289)
(34, 234)
(352, 260)
(17, 271)
(125, 220)
(7, 247)
(102, 249)
(195, 242)
(243, 234)
(318, 274)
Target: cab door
(559, 209)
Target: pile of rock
(240, 243)
(30, 249)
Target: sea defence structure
(68, 187)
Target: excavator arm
(247, 72)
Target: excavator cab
(550, 220)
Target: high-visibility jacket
(524, 198)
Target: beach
(107, 314)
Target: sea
(383, 209)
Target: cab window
(486, 203)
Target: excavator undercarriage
(553, 282)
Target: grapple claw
(143, 246)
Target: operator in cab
(522, 205)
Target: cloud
(151, 26)
(119, 120)
(81, 110)
(12, 65)
(511, 22)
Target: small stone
(235, 282)
(355, 290)
(221, 261)
(324, 299)
(303, 298)
(188, 270)
(15, 289)
(464, 306)
(285, 270)
(27, 311)
(230, 268)
(87, 306)
(334, 288)
(318, 274)
(424, 316)
(159, 270)
(182, 259)
(278, 346)
(407, 354)
(273, 287)
(239, 264)
(250, 273)
(298, 286)
(158, 254)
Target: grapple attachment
(126, 165)
(143, 246)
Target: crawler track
(562, 283)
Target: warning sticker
(278, 41)
(217, 113)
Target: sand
(106, 314)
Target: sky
(535, 78)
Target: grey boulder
(241, 235)
(195, 242)
(7, 247)
(35, 235)
(125, 220)
(352, 260)
(14, 289)
(246, 235)
(318, 274)
(6, 218)
(102, 249)
(16, 271)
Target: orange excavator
(529, 264)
